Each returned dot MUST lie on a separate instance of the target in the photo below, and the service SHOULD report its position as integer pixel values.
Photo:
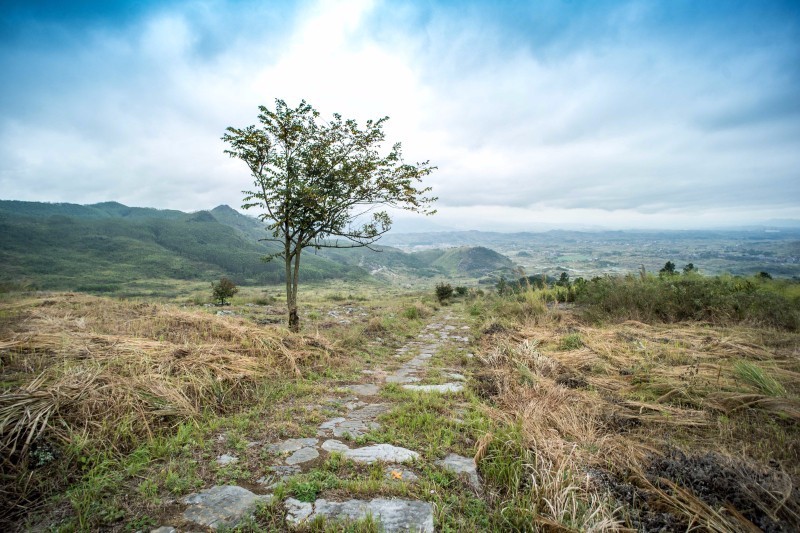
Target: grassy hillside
(102, 247)
(106, 247)
(475, 261)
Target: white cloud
(623, 129)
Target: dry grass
(118, 372)
(629, 392)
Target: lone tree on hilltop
(316, 182)
(223, 290)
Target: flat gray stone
(393, 515)
(303, 455)
(226, 459)
(354, 428)
(462, 465)
(369, 411)
(332, 423)
(292, 445)
(278, 473)
(164, 529)
(399, 473)
(364, 390)
(332, 445)
(381, 452)
(221, 505)
(444, 388)
(296, 511)
(456, 376)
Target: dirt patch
(744, 495)
(765, 497)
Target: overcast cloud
(625, 114)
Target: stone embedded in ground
(462, 465)
(164, 529)
(392, 515)
(292, 445)
(226, 459)
(277, 473)
(330, 424)
(332, 445)
(381, 452)
(456, 376)
(364, 390)
(221, 505)
(303, 455)
(445, 387)
(398, 473)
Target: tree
(689, 268)
(223, 290)
(317, 182)
(668, 270)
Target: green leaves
(312, 179)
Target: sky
(623, 114)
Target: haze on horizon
(624, 114)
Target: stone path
(227, 505)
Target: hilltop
(110, 247)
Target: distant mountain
(108, 247)
(104, 247)
(472, 261)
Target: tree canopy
(319, 183)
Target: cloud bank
(627, 114)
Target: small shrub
(444, 291)
(224, 289)
(572, 341)
(461, 291)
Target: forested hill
(101, 247)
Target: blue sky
(622, 114)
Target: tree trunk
(291, 295)
(294, 317)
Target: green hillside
(472, 261)
(101, 247)
(106, 247)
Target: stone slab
(332, 445)
(381, 452)
(364, 390)
(392, 515)
(292, 445)
(462, 465)
(303, 455)
(221, 506)
(444, 388)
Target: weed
(754, 375)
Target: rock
(221, 505)
(303, 455)
(164, 529)
(381, 452)
(456, 376)
(292, 445)
(332, 445)
(393, 515)
(398, 473)
(297, 511)
(278, 473)
(446, 387)
(226, 459)
(462, 465)
(364, 390)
